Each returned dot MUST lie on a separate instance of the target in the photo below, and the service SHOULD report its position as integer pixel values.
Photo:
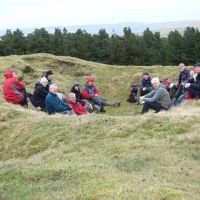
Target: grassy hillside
(118, 155)
(113, 81)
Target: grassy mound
(110, 156)
(112, 81)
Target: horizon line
(144, 23)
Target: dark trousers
(176, 91)
(172, 91)
(179, 91)
(24, 101)
(136, 92)
(152, 105)
(192, 91)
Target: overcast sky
(45, 13)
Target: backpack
(132, 98)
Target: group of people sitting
(152, 93)
(47, 98)
(161, 95)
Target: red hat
(8, 73)
(90, 79)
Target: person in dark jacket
(49, 76)
(158, 99)
(54, 104)
(143, 88)
(177, 90)
(77, 91)
(40, 93)
(13, 90)
(193, 85)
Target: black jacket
(146, 83)
(183, 76)
(39, 95)
(78, 93)
(195, 85)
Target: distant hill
(138, 28)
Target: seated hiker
(78, 108)
(92, 94)
(77, 91)
(158, 99)
(54, 104)
(13, 90)
(188, 93)
(192, 73)
(49, 76)
(177, 90)
(193, 84)
(166, 84)
(40, 93)
(143, 88)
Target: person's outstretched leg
(151, 105)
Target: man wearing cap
(143, 88)
(40, 93)
(193, 84)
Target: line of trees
(129, 49)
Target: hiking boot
(111, 103)
(97, 108)
(174, 102)
(137, 100)
(102, 109)
(116, 104)
(37, 108)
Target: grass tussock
(118, 155)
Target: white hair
(43, 80)
(52, 86)
(71, 94)
(155, 80)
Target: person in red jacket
(76, 106)
(90, 90)
(13, 90)
(91, 93)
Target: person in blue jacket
(54, 104)
(139, 90)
